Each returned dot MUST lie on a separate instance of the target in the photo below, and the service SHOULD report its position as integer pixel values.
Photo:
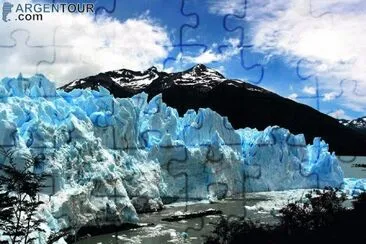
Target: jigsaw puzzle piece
(239, 27)
(347, 87)
(184, 45)
(319, 8)
(23, 52)
(107, 7)
(100, 7)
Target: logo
(35, 11)
(6, 11)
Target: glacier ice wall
(109, 158)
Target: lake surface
(260, 207)
(347, 163)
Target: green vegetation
(19, 188)
(319, 218)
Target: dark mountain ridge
(244, 104)
(358, 124)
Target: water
(347, 163)
(256, 206)
(196, 229)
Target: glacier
(110, 158)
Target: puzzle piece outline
(241, 45)
(181, 44)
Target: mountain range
(244, 104)
(358, 124)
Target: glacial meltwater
(259, 206)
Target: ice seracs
(110, 158)
(245, 104)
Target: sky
(311, 51)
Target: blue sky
(290, 47)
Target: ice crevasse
(109, 158)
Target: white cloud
(221, 69)
(223, 7)
(255, 8)
(210, 56)
(84, 46)
(339, 114)
(213, 55)
(293, 96)
(330, 96)
(331, 36)
(207, 57)
(354, 106)
(309, 90)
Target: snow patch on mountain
(199, 76)
(358, 124)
